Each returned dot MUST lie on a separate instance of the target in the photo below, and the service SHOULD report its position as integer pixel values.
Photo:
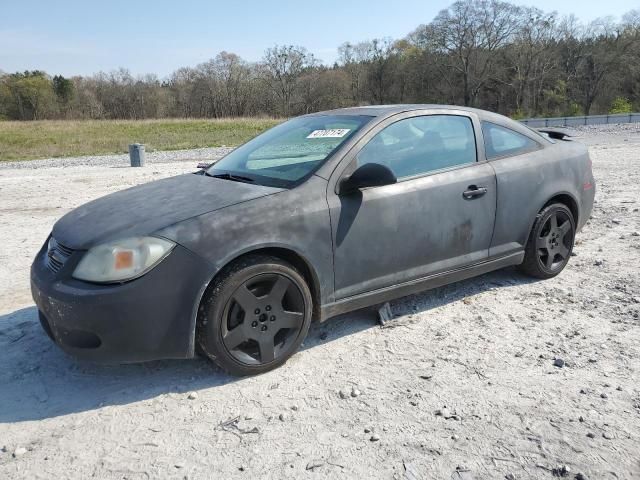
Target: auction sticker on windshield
(332, 133)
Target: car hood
(146, 208)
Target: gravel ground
(461, 384)
(194, 155)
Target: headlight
(122, 259)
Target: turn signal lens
(124, 259)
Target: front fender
(296, 220)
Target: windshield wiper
(231, 176)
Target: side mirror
(367, 175)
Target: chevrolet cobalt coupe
(323, 214)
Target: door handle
(474, 191)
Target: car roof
(384, 111)
(388, 110)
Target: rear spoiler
(555, 133)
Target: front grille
(57, 255)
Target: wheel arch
(285, 253)
(566, 199)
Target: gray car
(323, 214)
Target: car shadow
(39, 381)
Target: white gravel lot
(121, 160)
(483, 348)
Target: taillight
(588, 175)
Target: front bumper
(149, 318)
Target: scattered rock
(282, 417)
(510, 476)
(355, 392)
(18, 452)
(581, 476)
(581, 419)
(617, 221)
(462, 473)
(410, 471)
(607, 435)
(179, 465)
(619, 388)
(192, 396)
(343, 394)
(454, 437)
(604, 395)
(561, 471)
(635, 234)
(374, 438)
(558, 362)
(443, 412)
(591, 435)
(313, 465)
(598, 263)
(367, 430)
(242, 468)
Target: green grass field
(67, 138)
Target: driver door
(438, 217)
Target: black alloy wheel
(550, 243)
(255, 315)
(555, 240)
(262, 319)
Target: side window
(417, 145)
(500, 141)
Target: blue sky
(83, 37)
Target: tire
(255, 315)
(550, 242)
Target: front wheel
(550, 242)
(255, 315)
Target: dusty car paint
(356, 250)
(146, 208)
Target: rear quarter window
(500, 141)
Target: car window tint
(296, 146)
(291, 151)
(418, 145)
(500, 141)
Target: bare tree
(352, 58)
(531, 58)
(486, 53)
(282, 66)
(466, 37)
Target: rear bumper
(150, 318)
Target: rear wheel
(550, 242)
(255, 316)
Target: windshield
(288, 153)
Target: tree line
(491, 54)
